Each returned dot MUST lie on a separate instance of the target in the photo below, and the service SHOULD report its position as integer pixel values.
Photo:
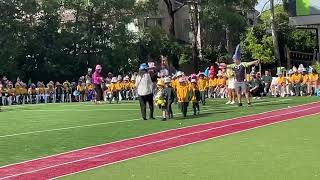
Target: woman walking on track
(144, 86)
(97, 80)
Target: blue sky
(262, 2)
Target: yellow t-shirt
(113, 87)
(42, 90)
(212, 82)
(202, 84)
(126, 85)
(11, 91)
(305, 79)
(194, 98)
(281, 80)
(119, 86)
(17, 91)
(313, 77)
(221, 81)
(132, 85)
(81, 88)
(296, 78)
(183, 93)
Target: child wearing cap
(184, 95)
(313, 81)
(81, 88)
(119, 87)
(161, 99)
(18, 93)
(203, 87)
(281, 84)
(171, 95)
(133, 88)
(10, 93)
(221, 85)
(32, 92)
(231, 87)
(295, 82)
(195, 97)
(212, 85)
(114, 90)
(304, 84)
(126, 88)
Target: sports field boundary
(194, 127)
(124, 121)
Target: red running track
(92, 157)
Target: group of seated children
(21, 93)
(296, 82)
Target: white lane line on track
(116, 122)
(159, 141)
(99, 145)
(180, 146)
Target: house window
(153, 22)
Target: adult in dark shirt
(266, 82)
(241, 85)
(256, 88)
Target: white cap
(114, 80)
(167, 80)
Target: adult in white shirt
(144, 86)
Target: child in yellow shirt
(212, 86)
(195, 97)
(114, 90)
(81, 88)
(203, 87)
(183, 95)
(295, 82)
(221, 85)
(304, 84)
(313, 81)
(281, 84)
(126, 88)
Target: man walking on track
(144, 86)
(241, 85)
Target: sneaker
(145, 119)
(240, 104)
(229, 102)
(164, 119)
(249, 104)
(232, 102)
(152, 118)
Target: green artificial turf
(87, 125)
(285, 151)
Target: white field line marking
(24, 162)
(175, 147)
(113, 122)
(81, 104)
(159, 141)
(78, 110)
(68, 104)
